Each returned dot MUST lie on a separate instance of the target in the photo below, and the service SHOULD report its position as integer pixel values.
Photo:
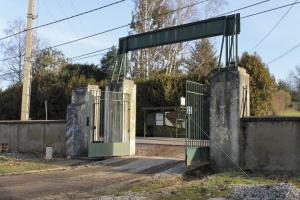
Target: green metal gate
(111, 125)
(197, 123)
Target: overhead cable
(64, 19)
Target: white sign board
(182, 101)
(159, 119)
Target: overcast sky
(253, 29)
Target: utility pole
(27, 64)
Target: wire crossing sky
(253, 29)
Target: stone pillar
(129, 87)
(229, 101)
(79, 120)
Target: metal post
(226, 51)
(145, 124)
(46, 110)
(176, 118)
(236, 44)
(27, 74)
(221, 53)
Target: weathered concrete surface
(102, 178)
(79, 120)
(34, 136)
(270, 143)
(228, 101)
(129, 87)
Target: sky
(253, 29)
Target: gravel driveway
(90, 181)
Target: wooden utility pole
(27, 64)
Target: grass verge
(293, 111)
(13, 165)
(220, 185)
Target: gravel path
(280, 191)
(87, 182)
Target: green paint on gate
(111, 125)
(224, 25)
(109, 149)
(197, 123)
(196, 155)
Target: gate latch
(189, 110)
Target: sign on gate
(197, 123)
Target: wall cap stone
(33, 122)
(270, 119)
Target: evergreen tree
(262, 84)
(202, 60)
(108, 61)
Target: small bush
(280, 102)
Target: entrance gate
(110, 125)
(197, 123)
(198, 116)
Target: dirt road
(90, 181)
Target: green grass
(290, 112)
(220, 185)
(293, 111)
(155, 185)
(10, 165)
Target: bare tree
(161, 14)
(13, 49)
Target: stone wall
(270, 143)
(34, 136)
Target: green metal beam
(226, 25)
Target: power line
(125, 25)
(285, 53)
(269, 10)
(112, 29)
(93, 52)
(66, 18)
(245, 7)
(79, 57)
(80, 21)
(62, 11)
(52, 16)
(274, 27)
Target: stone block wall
(34, 136)
(270, 143)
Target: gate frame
(227, 26)
(197, 135)
(109, 146)
(117, 148)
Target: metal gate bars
(110, 124)
(197, 123)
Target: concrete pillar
(79, 120)
(229, 101)
(129, 87)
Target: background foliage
(53, 85)
(262, 84)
